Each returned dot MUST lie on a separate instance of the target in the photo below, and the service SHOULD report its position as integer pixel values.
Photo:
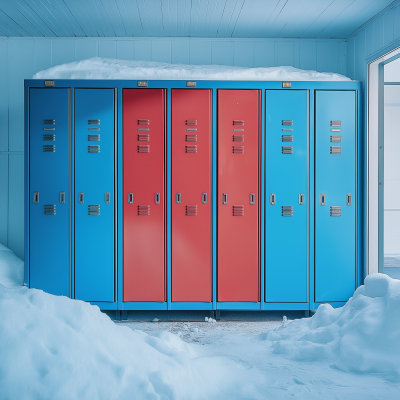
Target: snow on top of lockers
(107, 68)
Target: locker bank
(194, 195)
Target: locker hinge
(252, 198)
(130, 198)
(238, 211)
(178, 198)
(336, 211)
(348, 199)
(301, 199)
(191, 210)
(107, 197)
(62, 197)
(322, 199)
(287, 211)
(224, 198)
(157, 198)
(272, 199)
(49, 209)
(36, 197)
(204, 198)
(94, 209)
(143, 210)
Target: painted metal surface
(49, 232)
(335, 181)
(94, 194)
(286, 239)
(238, 195)
(191, 183)
(144, 195)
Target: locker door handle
(157, 198)
(272, 199)
(252, 198)
(301, 199)
(62, 197)
(36, 197)
(348, 199)
(107, 197)
(81, 198)
(322, 199)
(178, 198)
(130, 198)
(204, 198)
(224, 198)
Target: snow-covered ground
(107, 68)
(52, 347)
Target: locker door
(238, 195)
(49, 236)
(94, 194)
(286, 195)
(144, 188)
(335, 195)
(191, 195)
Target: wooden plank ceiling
(186, 18)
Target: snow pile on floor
(362, 337)
(11, 268)
(107, 68)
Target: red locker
(143, 201)
(238, 195)
(191, 195)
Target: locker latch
(178, 198)
(130, 198)
(107, 197)
(301, 199)
(157, 198)
(252, 198)
(348, 199)
(204, 198)
(62, 197)
(224, 198)
(272, 199)
(322, 199)
(36, 197)
(81, 198)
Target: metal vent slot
(287, 138)
(49, 209)
(94, 138)
(143, 149)
(143, 129)
(191, 129)
(93, 122)
(191, 148)
(49, 129)
(143, 122)
(93, 149)
(191, 138)
(94, 209)
(287, 211)
(143, 210)
(49, 121)
(238, 138)
(336, 139)
(336, 123)
(336, 211)
(336, 130)
(238, 211)
(94, 129)
(238, 130)
(49, 148)
(287, 130)
(191, 210)
(238, 149)
(287, 122)
(336, 150)
(287, 149)
(49, 138)
(191, 122)
(238, 122)
(143, 138)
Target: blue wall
(20, 58)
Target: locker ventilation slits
(93, 122)
(336, 211)
(191, 138)
(191, 210)
(94, 129)
(336, 150)
(143, 210)
(336, 123)
(287, 138)
(94, 138)
(191, 122)
(238, 130)
(336, 139)
(49, 138)
(49, 129)
(287, 211)
(143, 122)
(49, 121)
(93, 149)
(287, 130)
(287, 122)
(49, 209)
(287, 149)
(191, 148)
(143, 138)
(143, 149)
(143, 129)
(238, 149)
(94, 209)
(49, 148)
(238, 138)
(336, 130)
(238, 211)
(238, 123)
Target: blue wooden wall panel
(327, 56)
(180, 52)
(85, 49)
(3, 95)
(222, 53)
(3, 198)
(142, 51)
(285, 53)
(200, 52)
(342, 64)
(125, 50)
(396, 29)
(388, 28)
(264, 54)
(370, 39)
(161, 51)
(63, 51)
(42, 55)
(350, 56)
(243, 54)
(308, 55)
(378, 34)
(107, 48)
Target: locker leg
(217, 315)
(121, 315)
(211, 314)
(307, 313)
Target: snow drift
(107, 68)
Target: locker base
(144, 305)
(121, 315)
(190, 306)
(104, 305)
(238, 306)
(285, 306)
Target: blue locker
(49, 215)
(335, 195)
(94, 194)
(286, 262)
